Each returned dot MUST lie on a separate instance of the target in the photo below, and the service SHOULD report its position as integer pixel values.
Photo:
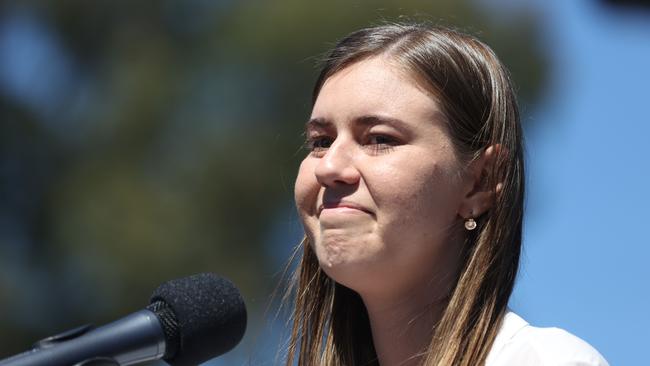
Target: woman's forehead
(374, 86)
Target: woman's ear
(480, 192)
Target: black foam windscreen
(210, 313)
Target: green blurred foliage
(173, 147)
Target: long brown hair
(473, 88)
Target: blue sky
(586, 248)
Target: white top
(519, 343)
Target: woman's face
(379, 192)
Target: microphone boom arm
(135, 338)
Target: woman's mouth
(341, 207)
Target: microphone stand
(133, 339)
(71, 334)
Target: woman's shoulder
(519, 343)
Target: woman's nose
(336, 166)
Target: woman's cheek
(306, 189)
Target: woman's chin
(357, 274)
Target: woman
(411, 198)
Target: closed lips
(333, 205)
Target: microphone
(189, 321)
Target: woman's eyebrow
(317, 123)
(365, 121)
(372, 120)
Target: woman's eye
(318, 143)
(381, 140)
(381, 143)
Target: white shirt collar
(510, 326)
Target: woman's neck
(402, 326)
